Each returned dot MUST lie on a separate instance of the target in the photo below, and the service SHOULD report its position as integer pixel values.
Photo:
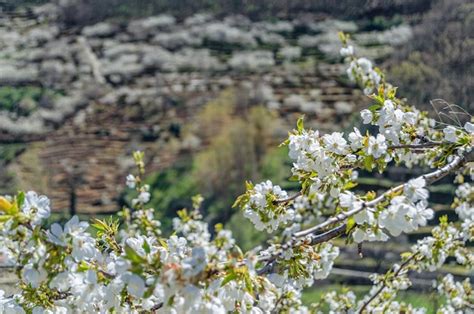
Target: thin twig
(289, 199)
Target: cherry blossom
(129, 265)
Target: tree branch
(289, 199)
(416, 146)
(328, 235)
(316, 239)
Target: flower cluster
(304, 263)
(362, 70)
(464, 202)
(464, 206)
(319, 160)
(405, 213)
(459, 295)
(435, 249)
(263, 204)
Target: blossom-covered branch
(127, 265)
(426, 178)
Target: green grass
(430, 301)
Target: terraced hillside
(122, 87)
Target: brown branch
(156, 307)
(289, 199)
(416, 146)
(316, 239)
(326, 236)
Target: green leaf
(350, 224)
(4, 218)
(284, 143)
(392, 92)
(300, 124)
(163, 243)
(375, 107)
(82, 266)
(369, 163)
(406, 255)
(149, 292)
(293, 178)
(349, 185)
(99, 225)
(248, 185)
(228, 278)
(218, 227)
(248, 283)
(133, 256)
(240, 201)
(342, 37)
(146, 247)
(20, 199)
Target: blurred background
(208, 89)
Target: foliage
(440, 56)
(171, 191)
(9, 151)
(418, 75)
(23, 100)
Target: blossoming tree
(127, 265)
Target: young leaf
(228, 278)
(300, 124)
(350, 224)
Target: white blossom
(36, 207)
(135, 285)
(367, 116)
(415, 189)
(258, 207)
(377, 146)
(336, 143)
(350, 201)
(131, 181)
(347, 51)
(469, 127)
(450, 134)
